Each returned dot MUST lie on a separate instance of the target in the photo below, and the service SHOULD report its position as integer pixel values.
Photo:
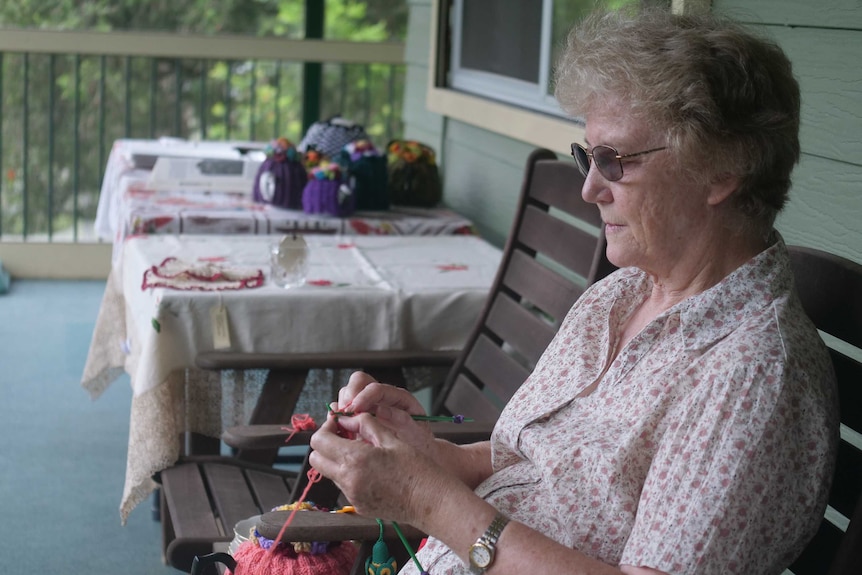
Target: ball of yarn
(251, 559)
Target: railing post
(312, 72)
(6, 180)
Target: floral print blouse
(706, 447)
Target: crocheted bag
(413, 176)
(328, 137)
(327, 193)
(366, 175)
(281, 177)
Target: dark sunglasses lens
(607, 163)
(581, 159)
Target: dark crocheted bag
(281, 177)
(413, 176)
(366, 173)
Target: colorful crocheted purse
(281, 177)
(327, 193)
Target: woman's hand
(393, 407)
(379, 473)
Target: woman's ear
(721, 188)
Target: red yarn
(313, 477)
(254, 560)
(299, 422)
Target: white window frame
(505, 118)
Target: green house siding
(482, 170)
(824, 42)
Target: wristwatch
(482, 551)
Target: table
(363, 293)
(129, 205)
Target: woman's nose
(594, 185)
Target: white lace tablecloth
(363, 293)
(128, 206)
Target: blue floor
(63, 455)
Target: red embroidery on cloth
(452, 267)
(213, 259)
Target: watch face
(480, 555)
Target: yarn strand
(313, 477)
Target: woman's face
(652, 215)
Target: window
(508, 54)
(494, 71)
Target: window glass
(500, 41)
(507, 51)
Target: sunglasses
(608, 160)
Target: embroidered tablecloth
(363, 293)
(128, 204)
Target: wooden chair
(830, 288)
(554, 251)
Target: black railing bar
(342, 88)
(76, 162)
(5, 181)
(102, 75)
(390, 113)
(52, 75)
(178, 98)
(276, 125)
(366, 94)
(203, 100)
(252, 101)
(153, 75)
(127, 128)
(25, 144)
(228, 99)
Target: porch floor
(63, 458)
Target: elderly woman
(684, 418)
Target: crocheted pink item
(252, 559)
(204, 275)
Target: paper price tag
(221, 330)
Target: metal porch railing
(66, 96)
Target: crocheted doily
(205, 276)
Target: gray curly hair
(726, 98)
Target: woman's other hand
(381, 474)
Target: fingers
(339, 458)
(355, 384)
(364, 394)
(367, 428)
(374, 395)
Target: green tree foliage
(59, 113)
